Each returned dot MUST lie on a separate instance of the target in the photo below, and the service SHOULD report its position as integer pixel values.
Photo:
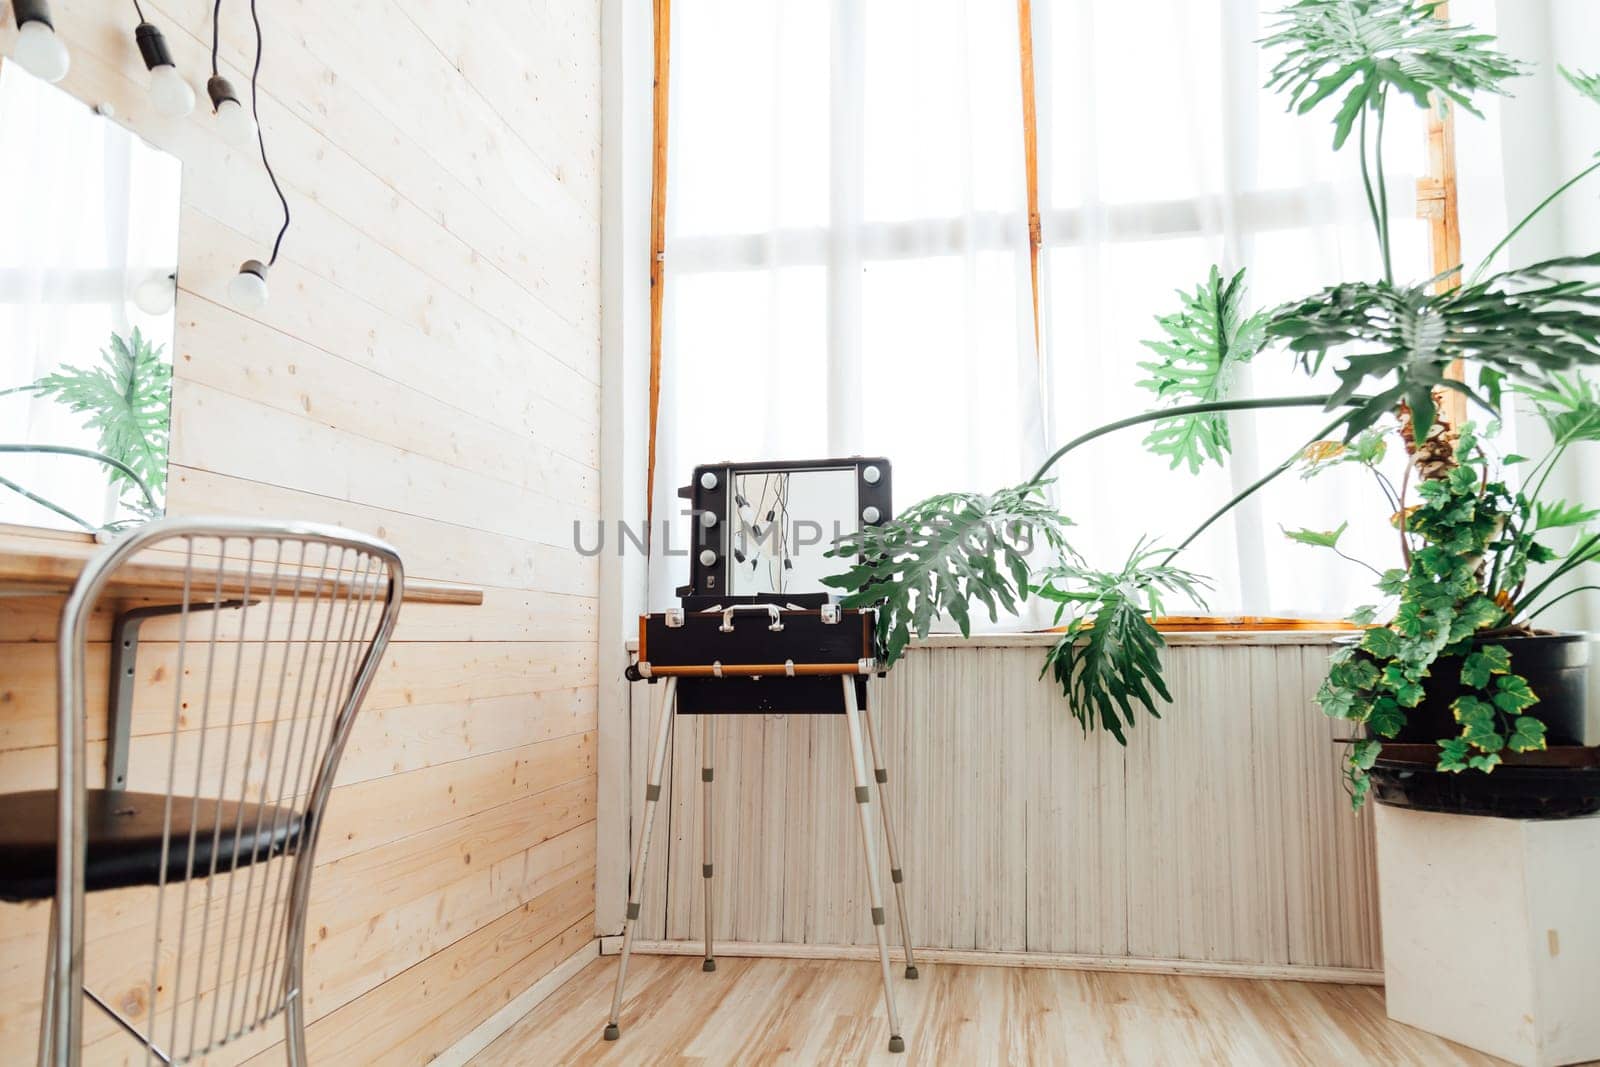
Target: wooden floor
(831, 1011)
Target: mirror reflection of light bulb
(156, 293)
(235, 124)
(40, 52)
(248, 290)
(172, 95)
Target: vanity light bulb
(39, 51)
(172, 95)
(708, 480)
(870, 514)
(156, 294)
(708, 519)
(871, 474)
(248, 290)
(707, 557)
(235, 124)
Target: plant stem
(1366, 183)
(1209, 406)
(1250, 489)
(1584, 551)
(1552, 603)
(88, 453)
(7, 483)
(1383, 191)
(1529, 217)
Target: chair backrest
(246, 687)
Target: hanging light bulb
(39, 51)
(156, 293)
(248, 289)
(172, 95)
(233, 121)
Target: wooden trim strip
(658, 235)
(609, 946)
(1030, 154)
(749, 670)
(484, 1034)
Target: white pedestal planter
(1491, 931)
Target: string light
(39, 51)
(248, 289)
(171, 94)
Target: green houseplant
(127, 401)
(1476, 561)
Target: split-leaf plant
(1475, 555)
(127, 401)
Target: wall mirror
(761, 529)
(88, 281)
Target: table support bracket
(124, 668)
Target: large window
(847, 257)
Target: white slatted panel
(1221, 833)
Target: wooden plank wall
(428, 370)
(1221, 834)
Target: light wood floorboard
(831, 1011)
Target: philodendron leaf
(1554, 514)
(1366, 48)
(1317, 538)
(1363, 754)
(1206, 340)
(941, 554)
(1526, 326)
(1587, 84)
(128, 401)
(1108, 657)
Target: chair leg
(708, 742)
(896, 873)
(863, 798)
(652, 794)
(294, 1023)
(47, 1007)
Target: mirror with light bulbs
(761, 530)
(88, 285)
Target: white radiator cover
(1221, 834)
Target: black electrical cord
(216, 35)
(138, 10)
(261, 138)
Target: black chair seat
(125, 832)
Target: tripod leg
(708, 728)
(896, 873)
(652, 795)
(863, 797)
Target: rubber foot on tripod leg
(708, 965)
(612, 1032)
(897, 1043)
(911, 972)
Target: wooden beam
(658, 233)
(1030, 154)
(1437, 203)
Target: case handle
(774, 614)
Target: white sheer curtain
(847, 258)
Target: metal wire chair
(279, 631)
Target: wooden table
(38, 568)
(37, 562)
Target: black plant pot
(1556, 667)
(1562, 782)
